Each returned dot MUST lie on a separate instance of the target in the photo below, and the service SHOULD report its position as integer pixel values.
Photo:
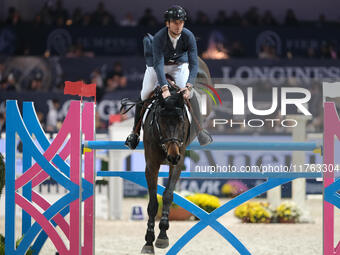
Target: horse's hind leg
(162, 239)
(151, 174)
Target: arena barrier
(78, 125)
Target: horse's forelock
(174, 101)
(173, 105)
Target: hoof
(148, 249)
(162, 243)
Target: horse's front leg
(162, 239)
(151, 174)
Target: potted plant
(233, 188)
(205, 201)
(254, 212)
(287, 212)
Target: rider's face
(175, 27)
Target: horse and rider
(172, 51)
(171, 69)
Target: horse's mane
(171, 104)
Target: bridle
(164, 140)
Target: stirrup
(204, 138)
(132, 141)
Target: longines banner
(275, 72)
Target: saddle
(127, 104)
(149, 103)
(157, 93)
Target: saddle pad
(150, 105)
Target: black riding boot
(203, 136)
(133, 139)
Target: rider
(174, 51)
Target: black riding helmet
(175, 12)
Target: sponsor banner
(122, 41)
(237, 159)
(268, 73)
(214, 186)
(131, 189)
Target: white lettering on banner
(207, 186)
(276, 75)
(238, 100)
(193, 187)
(210, 187)
(238, 97)
(108, 107)
(279, 75)
(219, 122)
(272, 121)
(245, 74)
(261, 73)
(262, 112)
(105, 108)
(255, 123)
(261, 123)
(297, 102)
(295, 123)
(109, 44)
(242, 123)
(226, 72)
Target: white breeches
(179, 72)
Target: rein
(190, 108)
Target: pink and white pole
(331, 130)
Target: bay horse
(166, 136)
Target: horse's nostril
(173, 159)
